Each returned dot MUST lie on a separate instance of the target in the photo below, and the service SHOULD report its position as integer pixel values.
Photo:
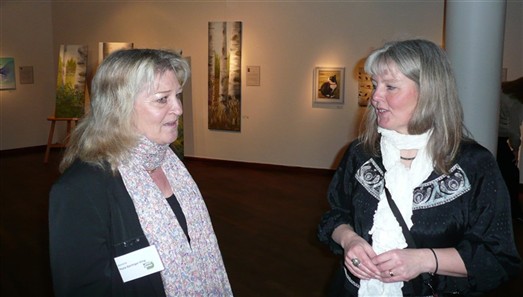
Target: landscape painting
(224, 83)
(70, 89)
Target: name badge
(139, 263)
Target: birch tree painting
(70, 90)
(224, 96)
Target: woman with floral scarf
(126, 218)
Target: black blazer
(92, 220)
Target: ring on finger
(355, 261)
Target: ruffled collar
(401, 181)
(404, 141)
(393, 142)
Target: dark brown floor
(265, 219)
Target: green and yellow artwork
(177, 145)
(70, 84)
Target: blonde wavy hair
(106, 133)
(438, 106)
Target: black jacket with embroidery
(468, 209)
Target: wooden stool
(50, 143)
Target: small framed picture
(253, 75)
(26, 75)
(7, 73)
(329, 85)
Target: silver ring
(355, 261)
(391, 273)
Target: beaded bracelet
(436, 258)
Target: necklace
(407, 159)
(152, 170)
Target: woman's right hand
(357, 253)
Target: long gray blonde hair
(106, 133)
(438, 107)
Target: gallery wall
(26, 35)
(286, 39)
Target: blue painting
(7, 74)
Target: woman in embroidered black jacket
(447, 188)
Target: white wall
(287, 39)
(26, 35)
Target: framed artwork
(329, 85)
(224, 76)
(7, 74)
(364, 87)
(253, 75)
(106, 48)
(178, 145)
(26, 75)
(70, 86)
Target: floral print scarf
(191, 269)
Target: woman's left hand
(401, 264)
